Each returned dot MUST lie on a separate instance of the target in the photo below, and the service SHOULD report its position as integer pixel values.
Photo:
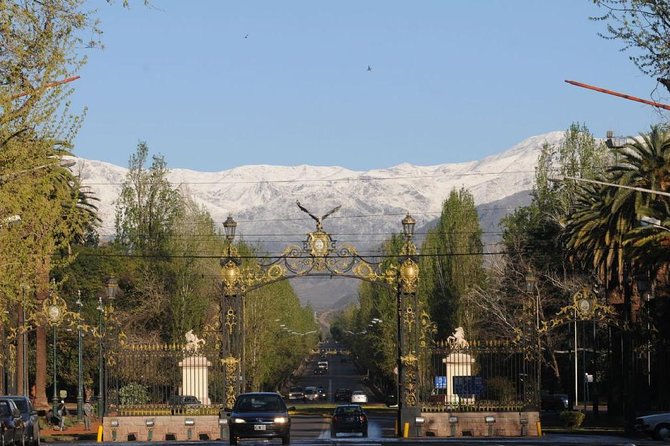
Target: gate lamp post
(407, 273)
(232, 315)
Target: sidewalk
(72, 433)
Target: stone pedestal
(195, 377)
(457, 364)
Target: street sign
(440, 382)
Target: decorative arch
(321, 255)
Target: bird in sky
(369, 68)
(246, 35)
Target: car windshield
(259, 403)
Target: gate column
(408, 334)
(232, 318)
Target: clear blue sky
(212, 85)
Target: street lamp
(111, 285)
(80, 370)
(54, 309)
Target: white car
(658, 425)
(359, 397)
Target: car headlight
(239, 420)
(281, 420)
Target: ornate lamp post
(54, 309)
(80, 370)
(406, 307)
(232, 323)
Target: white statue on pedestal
(193, 342)
(457, 340)
(194, 369)
(458, 364)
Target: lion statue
(457, 340)
(193, 342)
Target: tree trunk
(21, 386)
(41, 399)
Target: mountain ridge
(257, 195)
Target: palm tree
(603, 231)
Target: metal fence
(165, 379)
(480, 376)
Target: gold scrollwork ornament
(230, 275)
(230, 363)
(409, 276)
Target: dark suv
(11, 424)
(31, 425)
(349, 418)
(259, 415)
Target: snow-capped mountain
(262, 198)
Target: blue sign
(465, 386)
(440, 382)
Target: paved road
(341, 374)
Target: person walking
(88, 413)
(61, 410)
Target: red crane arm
(621, 95)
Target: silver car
(658, 425)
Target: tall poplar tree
(452, 263)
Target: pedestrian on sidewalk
(88, 413)
(61, 410)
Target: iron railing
(164, 379)
(480, 376)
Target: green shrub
(133, 394)
(500, 389)
(572, 419)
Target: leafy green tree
(148, 206)
(453, 263)
(644, 27)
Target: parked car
(11, 424)
(554, 401)
(392, 400)
(359, 397)
(349, 418)
(296, 393)
(321, 392)
(259, 415)
(184, 400)
(342, 395)
(658, 425)
(311, 394)
(31, 425)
